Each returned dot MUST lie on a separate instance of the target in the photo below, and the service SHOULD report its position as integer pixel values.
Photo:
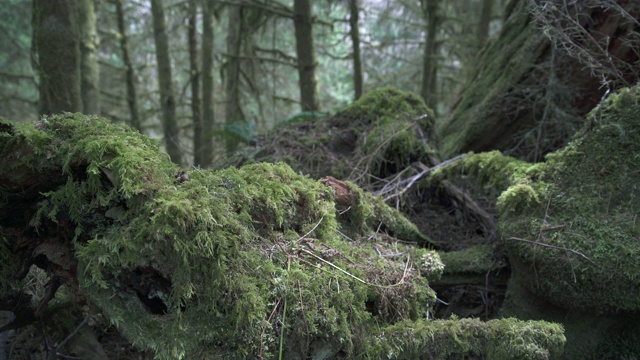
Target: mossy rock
(571, 227)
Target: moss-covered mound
(571, 225)
(379, 134)
(237, 263)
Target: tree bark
(90, 71)
(195, 82)
(484, 21)
(167, 100)
(208, 117)
(56, 42)
(429, 64)
(132, 96)
(527, 98)
(355, 41)
(305, 51)
(233, 111)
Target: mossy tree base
(569, 226)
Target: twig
(310, 231)
(410, 181)
(74, 332)
(553, 247)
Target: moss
(586, 214)
(386, 104)
(492, 169)
(378, 134)
(217, 255)
(463, 338)
(227, 263)
(391, 116)
(476, 259)
(589, 335)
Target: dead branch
(552, 247)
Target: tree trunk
(305, 51)
(195, 82)
(484, 21)
(233, 111)
(167, 100)
(90, 71)
(355, 41)
(429, 64)
(208, 118)
(56, 42)
(132, 97)
(525, 98)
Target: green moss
(222, 250)
(517, 198)
(463, 338)
(392, 117)
(476, 259)
(586, 214)
(233, 260)
(378, 134)
(387, 104)
(492, 169)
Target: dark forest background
(228, 70)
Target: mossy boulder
(234, 263)
(570, 226)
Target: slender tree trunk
(167, 100)
(208, 118)
(485, 20)
(195, 82)
(429, 65)
(56, 42)
(355, 41)
(305, 50)
(89, 69)
(132, 97)
(233, 111)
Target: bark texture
(305, 50)
(484, 22)
(130, 76)
(354, 32)
(89, 42)
(167, 100)
(429, 64)
(233, 111)
(56, 44)
(196, 114)
(208, 117)
(525, 96)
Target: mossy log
(237, 263)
